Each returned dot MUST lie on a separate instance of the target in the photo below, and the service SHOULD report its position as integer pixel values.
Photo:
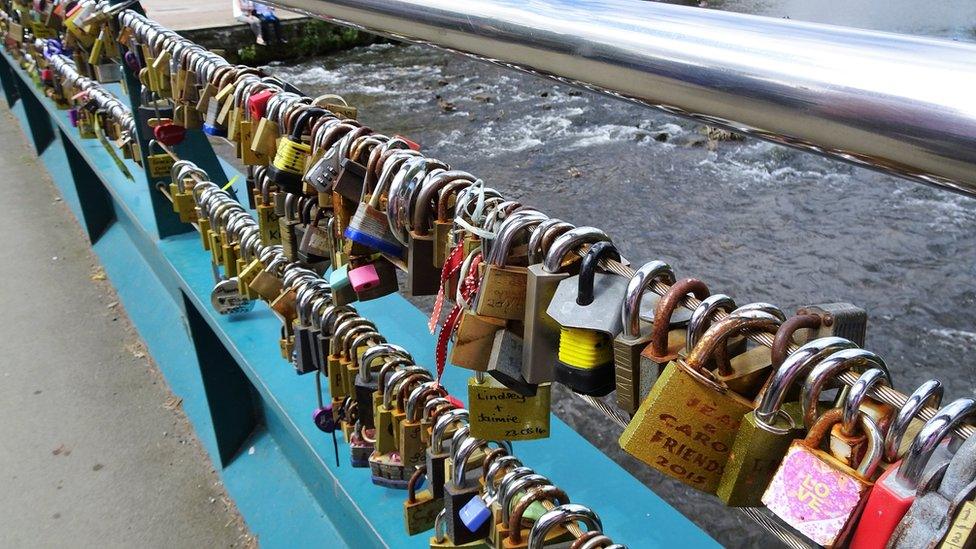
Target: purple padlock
(73, 117)
(132, 61)
(322, 416)
(364, 278)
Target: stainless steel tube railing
(900, 104)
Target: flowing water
(756, 221)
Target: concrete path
(94, 449)
(197, 14)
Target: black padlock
(436, 454)
(458, 491)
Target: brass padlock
(502, 290)
(420, 510)
(444, 224)
(499, 413)
(686, 425)
(668, 337)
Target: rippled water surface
(754, 220)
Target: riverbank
(213, 26)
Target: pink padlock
(364, 278)
(817, 494)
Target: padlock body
(685, 429)
(419, 516)
(754, 458)
(626, 363)
(435, 472)
(455, 498)
(473, 341)
(816, 494)
(423, 277)
(885, 508)
(499, 413)
(540, 348)
(502, 293)
(505, 363)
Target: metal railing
(899, 104)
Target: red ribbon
(468, 287)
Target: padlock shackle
(521, 484)
(397, 388)
(461, 457)
(784, 336)
(393, 365)
(497, 466)
(542, 236)
(508, 231)
(561, 515)
(380, 350)
(795, 365)
(398, 377)
(867, 381)
(427, 198)
(423, 392)
(875, 440)
(930, 394)
(548, 492)
(440, 526)
(932, 433)
(764, 307)
(831, 367)
(717, 335)
(418, 474)
(571, 241)
(597, 252)
(666, 306)
(434, 404)
(441, 426)
(419, 379)
(509, 478)
(701, 317)
(643, 279)
(360, 339)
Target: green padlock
(766, 432)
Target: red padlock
(894, 492)
(257, 104)
(169, 134)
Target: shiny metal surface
(895, 103)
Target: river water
(754, 220)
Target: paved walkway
(197, 14)
(94, 449)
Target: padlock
(817, 495)
(436, 453)
(181, 175)
(302, 326)
(355, 344)
(459, 490)
(587, 308)
(444, 223)
(517, 534)
(500, 413)
(499, 467)
(961, 533)
(766, 432)
(423, 274)
(387, 413)
(686, 425)
(844, 320)
(342, 290)
(942, 491)
(316, 243)
(502, 290)
(845, 447)
(288, 166)
(360, 447)
(412, 445)
(339, 364)
(267, 283)
(420, 510)
(562, 515)
(896, 489)
(440, 540)
(287, 224)
(845, 443)
(369, 225)
(633, 371)
(382, 284)
(366, 382)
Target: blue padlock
(474, 514)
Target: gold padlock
(499, 413)
(686, 425)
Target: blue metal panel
(290, 490)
